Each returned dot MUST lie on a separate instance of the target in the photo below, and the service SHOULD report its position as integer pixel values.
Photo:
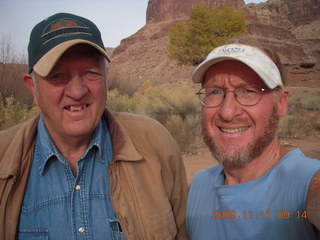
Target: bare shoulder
(313, 201)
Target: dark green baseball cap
(51, 37)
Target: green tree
(191, 41)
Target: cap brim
(46, 63)
(253, 57)
(200, 71)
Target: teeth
(76, 108)
(235, 130)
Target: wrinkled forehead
(233, 73)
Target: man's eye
(248, 91)
(91, 75)
(215, 92)
(56, 76)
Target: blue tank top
(270, 207)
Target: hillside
(291, 27)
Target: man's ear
(283, 103)
(30, 85)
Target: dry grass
(303, 119)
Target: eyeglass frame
(225, 91)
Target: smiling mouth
(234, 130)
(75, 108)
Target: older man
(78, 171)
(259, 190)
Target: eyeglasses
(246, 96)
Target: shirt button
(78, 187)
(81, 230)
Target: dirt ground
(201, 158)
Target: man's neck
(257, 167)
(72, 149)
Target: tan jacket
(147, 177)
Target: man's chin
(229, 157)
(233, 160)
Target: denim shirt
(59, 204)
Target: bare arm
(313, 201)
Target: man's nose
(229, 108)
(76, 88)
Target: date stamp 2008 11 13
(225, 214)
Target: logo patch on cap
(63, 27)
(232, 50)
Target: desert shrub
(180, 130)
(307, 102)
(120, 102)
(121, 84)
(294, 103)
(13, 112)
(181, 101)
(311, 103)
(191, 41)
(295, 126)
(151, 102)
(287, 126)
(177, 109)
(302, 119)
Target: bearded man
(259, 190)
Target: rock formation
(291, 27)
(158, 11)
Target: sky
(116, 19)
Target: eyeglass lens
(247, 96)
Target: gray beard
(236, 158)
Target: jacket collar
(17, 142)
(123, 147)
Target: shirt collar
(46, 149)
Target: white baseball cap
(251, 56)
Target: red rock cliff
(161, 10)
(290, 27)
